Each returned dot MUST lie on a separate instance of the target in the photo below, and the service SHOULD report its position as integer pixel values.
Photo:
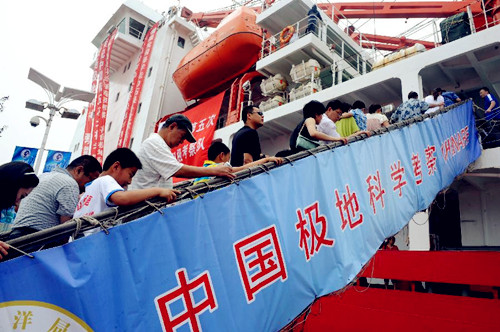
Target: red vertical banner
(204, 119)
(137, 84)
(87, 136)
(101, 104)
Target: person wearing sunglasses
(246, 143)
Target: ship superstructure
(159, 96)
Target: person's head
(17, 179)
(358, 104)
(176, 129)
(84, 169)
(391, 240)
(375, 108)
(484, 92)
(122, 164)
(252, 117)
(346, 107)
(412, 95)
(436, 93)
(334, 110)
(219, 152)
(313, 109)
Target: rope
(95, 222)
(154, 206)
(20, 251)
(264, 168)
(288, 160)
(78, 227)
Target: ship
(448, 245)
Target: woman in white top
(435, 101)
(375, 119)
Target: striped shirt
(56, 195)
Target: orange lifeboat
(229, 52)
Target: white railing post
(471, 20)
(484, 12)
(435, 32)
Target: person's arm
(311, 128)
(433, 103)
(346, 115)
(187, 171)
(67, 199)
(492, 106)
(63, 219)
(395, 116)
(359, 132)
(424, 106)
(276, 160)
(385, 124)
(3, 249)
(122, 198)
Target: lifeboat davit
(229, 52)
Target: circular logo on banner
(38, 316)
(26, 153)
(58, 156)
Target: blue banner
(24, 154)
(56, 159)
(250, 256)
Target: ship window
(130, 87)
(77, 145)
(124, 69)
(149, 71)
(117, 96)
(135, 28)
(109, 126)
(139, 108)
(128, 67)
(180, 42)
(131, 142)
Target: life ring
(286, 34)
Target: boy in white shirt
(107, 190)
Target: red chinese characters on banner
(87, 136)
(430, 159)
(204, 120)
(94, 126)
(137, 84)
(87, 133)
(310, 240)
(397, 172)
(260, 261)
(417, 168)
(348, 206)
(184, 292)
(375, 190)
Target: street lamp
(57, 97)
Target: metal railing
(116, 216)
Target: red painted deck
(364, 308)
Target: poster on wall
(25, 154)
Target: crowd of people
(29, 204)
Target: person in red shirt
(390, 244)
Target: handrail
(188, 191)
(453, 267)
